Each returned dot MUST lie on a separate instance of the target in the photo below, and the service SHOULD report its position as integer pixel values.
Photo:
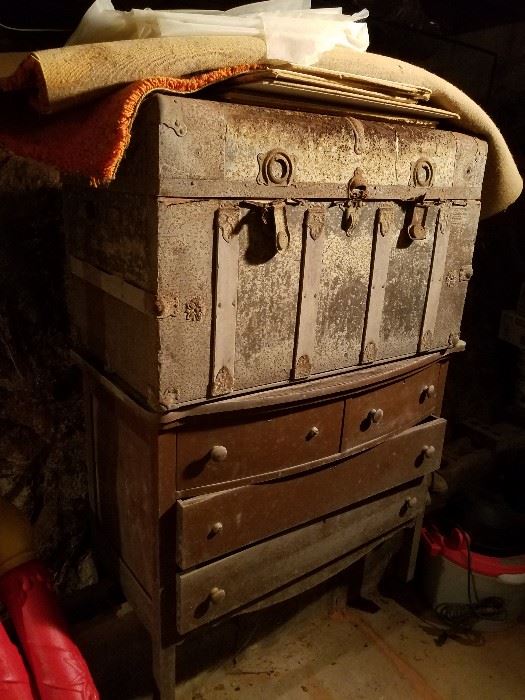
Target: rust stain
(426, 340)
(223, 383)
(165, 306)
(452, 278)
(422, 689)
(194, 309)
(370, 352)
(303, 366)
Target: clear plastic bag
(292, 30)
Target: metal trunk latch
(416, 227)
(274, 215)
(315, 220)
(350, 216)
(227, 221)
(357, 185)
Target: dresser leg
(409, 549)
(164, 670)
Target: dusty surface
(314, 653)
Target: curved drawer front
(396, 406)
(230, 583)
(212, 525)
(212, 453)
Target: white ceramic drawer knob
(216, 528)
(313, 432)
(376, 415)
(429, 391)
(411, 502)
(429, 451)
(217, 595)
(218, 453)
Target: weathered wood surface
(241, 578)
(212, 525)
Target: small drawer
(228, 584)
(390, 408)
(212, 454)
(212, 525)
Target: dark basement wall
(42, 441)
(42, 468)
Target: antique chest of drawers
(264, 303)
(241, 248)
(229, 506)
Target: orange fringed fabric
(90, 139)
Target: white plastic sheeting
(292, 30)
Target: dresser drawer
(223, 586)
(215, 453)
(390, 408)
(212, 525)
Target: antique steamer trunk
(241, 248)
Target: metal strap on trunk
(376, 294)
(437, 271)
(225, 313)
(310, 278)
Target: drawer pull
(411, 502)
(313, 432)
(218, 453)
(429, 451)
(217, 595)
(429, 391)
(216, 528)
(376, 415)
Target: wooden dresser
(265, 303)
(233, 506)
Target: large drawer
(214, 453)
(394, 407)
(228, 584)
(212, 525)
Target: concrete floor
(314, 650)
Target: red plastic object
(58, 668)
(454, 548)
(14, 679)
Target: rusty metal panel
(471, 154)
(406, 284)
(463, 223)
(213, 149)
(267, 294)
(343, 287)
(425, 158)
(185, 299)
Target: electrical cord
(460, 618)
